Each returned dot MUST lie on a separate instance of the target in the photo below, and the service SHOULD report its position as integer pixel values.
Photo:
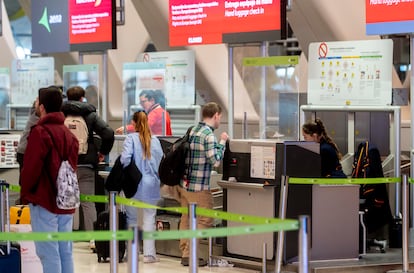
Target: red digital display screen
(389, 17)
(212, 22)
(91, 23)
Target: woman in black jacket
(330, 155)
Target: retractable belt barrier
(344, 181)
(404, 180)
(260, 225)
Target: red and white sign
(389, 17)
(90, 21)
(206, 21)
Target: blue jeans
(55, 256)
(148, 219)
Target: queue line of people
(47, 139)
(42, 158)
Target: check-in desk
(252, 175)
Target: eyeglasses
(142, 101)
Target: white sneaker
(151, 259)
(92, 245)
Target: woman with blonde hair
(146, 150)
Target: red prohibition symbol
(146, 58)
(323, 50)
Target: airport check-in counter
(252, 175)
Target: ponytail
(318, 128)
(142, 127)
(324, 136)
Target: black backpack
(367, 162)
(172, 166)
(373, 197)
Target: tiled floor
(86, 262)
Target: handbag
(131, 179)
(114, 180)
(124, 179)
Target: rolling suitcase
(10, 255)
(395, 233)
(102, 247)
(19, 214)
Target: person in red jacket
(153, 103)
(48, 141)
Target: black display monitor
(50, 32)
(73, 25)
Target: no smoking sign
(323, 50)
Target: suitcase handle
(4, 209)
(3, 183)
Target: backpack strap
(89, 120)
(190, 136)
(62, 157)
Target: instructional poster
(28, 76)
(4, 95)
(263, 162)
(8, 148)
(179, 75)
(138, 77)
(350, 73)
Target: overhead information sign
(389, 16)
(73, 25)
(231, 21)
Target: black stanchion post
(133, 250)
(304, 244)
(193, 265)
(113, 226)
